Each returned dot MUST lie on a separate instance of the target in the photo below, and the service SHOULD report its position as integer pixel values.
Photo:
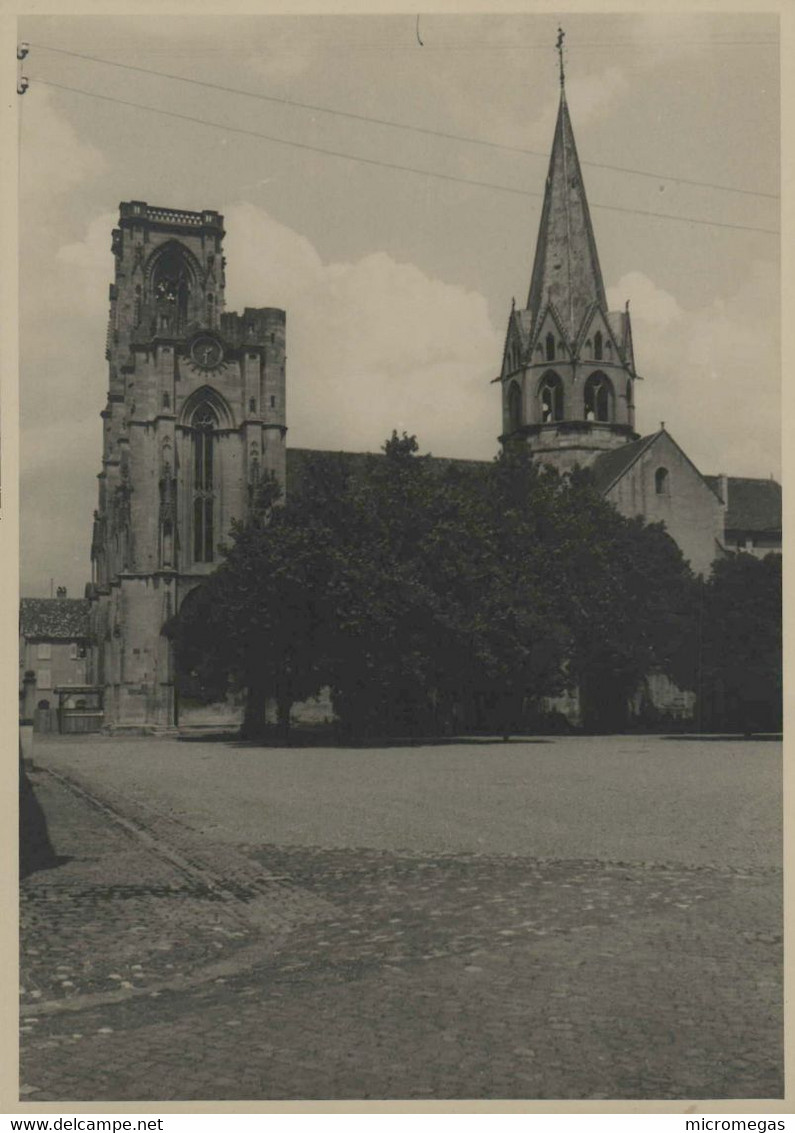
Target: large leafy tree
(433, 595)
(740, 646)
(259, 619)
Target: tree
(620, 587)
(258, 619)
(741, 645)
(431, 595)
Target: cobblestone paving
(180, 968)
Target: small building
(53, 647)
(752, 520)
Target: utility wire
(387, 164)
(395, 125)
(600, 44)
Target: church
(196, 414)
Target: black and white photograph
(400, 618)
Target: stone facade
(195, 417)
(653, 478)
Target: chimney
(723, 480)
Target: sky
(398, 284)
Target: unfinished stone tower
(195, 416)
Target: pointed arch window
(171, 288)
(662, 482)
(597, 346)
(514, 408)
(550, 345)
(550, 395)
(598, 400)
(205, 425)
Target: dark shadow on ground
(300, 739)
(36, 851)
(719, 738)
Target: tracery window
(171, 286)
(205, 424)
(598, 398)
(550, 394)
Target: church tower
(195, 417)
(568, 372)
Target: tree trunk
(254, 718)
(284, 703)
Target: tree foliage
(740, 671)
(433, 595)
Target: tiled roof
(609, 465)
(753, 505)
(299, 458)
(53, 618)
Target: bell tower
(568, 371)
(195, 417)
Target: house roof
(753, 505)
(611, 465)
(54, 618)
(355, 462)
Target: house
(53, 647)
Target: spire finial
(559, 45)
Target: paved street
(572, 918)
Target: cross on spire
(559, 46)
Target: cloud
(712, 374)
(53, 157)
(372, 345)
(88, 265)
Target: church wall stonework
(195, 418)
(663, 486)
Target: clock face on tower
(206, 352)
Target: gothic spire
(566, 269)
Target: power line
(387, 164)
(397, 125)
(601, 44)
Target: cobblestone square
(569, 918)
